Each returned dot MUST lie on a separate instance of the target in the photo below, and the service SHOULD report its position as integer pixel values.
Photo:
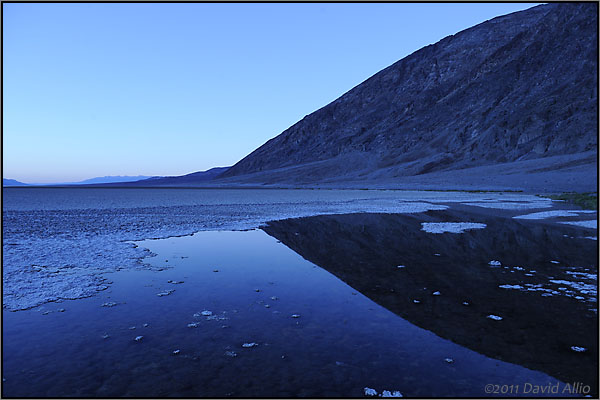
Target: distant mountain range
(192, 179)
(517, 88)
(111, 179)
(103, 179)
(12, 182)
(511, 103)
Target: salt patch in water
(511, 287)
(578, 349)
(387, 393)
(450, 227)
(593, 224)
(500, 205)
(548, 214)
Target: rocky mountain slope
(518, 87)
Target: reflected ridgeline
(541, 318)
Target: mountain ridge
(518, 87)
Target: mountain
(12, 182)
(515, 89)
(192, 179)
(110, 179)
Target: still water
(340, 343)
(319, 301)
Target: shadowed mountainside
(538, 328)
(518, 87)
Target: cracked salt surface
(79, 235)
(450, 227)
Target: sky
(96, 89)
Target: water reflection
(446, 284)
(342, 342)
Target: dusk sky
(168, 89)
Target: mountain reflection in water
(537, 329)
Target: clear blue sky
(167, 89)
